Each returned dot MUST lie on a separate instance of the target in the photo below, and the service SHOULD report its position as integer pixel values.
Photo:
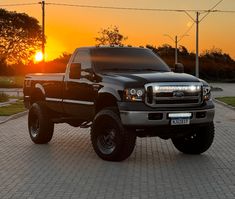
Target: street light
(197, 21)
(176, 40)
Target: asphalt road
(68, 167)
(228, 89)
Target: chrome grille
(173, 94)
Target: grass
(16, 97)
(227, 100)
(11, 81)
(12, 108)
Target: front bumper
(145, 118)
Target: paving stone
(68, 167)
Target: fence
(12, 91)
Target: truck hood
(140, 79)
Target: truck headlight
(134, 94)
(206, 93)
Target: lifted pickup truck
(121, 93)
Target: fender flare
(37, 92)
(110, 91)
(40, 87)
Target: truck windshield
(126, 59)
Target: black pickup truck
(121, 93)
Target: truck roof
(108, 46)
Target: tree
(20, 37)
(183, 51)
(58, 65)
(110, 36)
(217, 55)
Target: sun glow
(38, 57)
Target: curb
(224, 104)
(8, 102)
(15, 116)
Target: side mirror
(75, 71)
(179, 68)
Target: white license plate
(180, 121)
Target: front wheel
(197, 142)
(39, 124)
(109, 138)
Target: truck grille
(173, 94)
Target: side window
(83, 57)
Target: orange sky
(71, 27)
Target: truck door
(79, 97)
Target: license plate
(180, 121)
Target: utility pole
(197, 46)
(176, 41)
(197, 21)
(176, 49)
(43, 30)
(176, 46)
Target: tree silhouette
(110, 36)
(20, 37)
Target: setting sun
(38, 57)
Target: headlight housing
(206, 93)
(134, 94)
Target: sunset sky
(71, 27)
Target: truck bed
(45, 76)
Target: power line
(18, 4)
(116, 8)
(186, 32)
(121, 8)
(138, 9)
(219, 2)
(224, 11)
(212, 8)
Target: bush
(3, 97)
(11, 81)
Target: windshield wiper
(151, 69)
(119, 69)
(132, 69)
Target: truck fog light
(132, 91)
(139, 93)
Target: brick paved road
(68, 167)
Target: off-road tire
(39, 124)
(110, 140)
(197, 142)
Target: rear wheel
(198, 141)
(39, 124)
(109, 138)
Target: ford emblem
(178, 94)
